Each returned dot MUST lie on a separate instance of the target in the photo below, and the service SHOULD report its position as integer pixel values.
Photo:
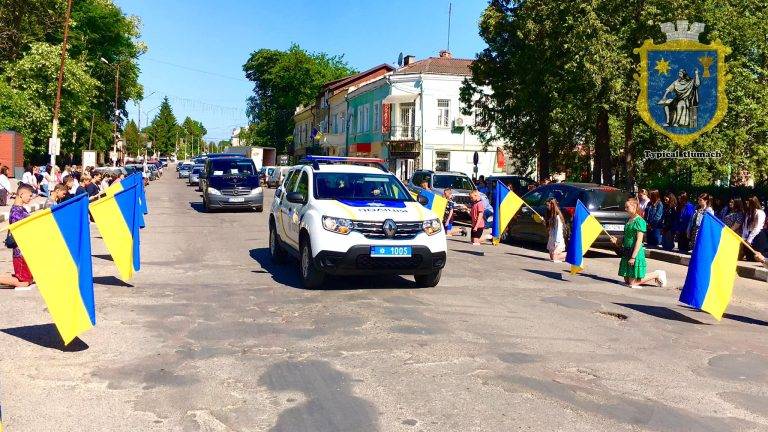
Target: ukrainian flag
(117, 217)
(56, 243)
(506, 204)
(584, 231)
(712, 270)
(133, 179)
(435, 202)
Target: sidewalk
(744, 269)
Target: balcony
(403, 133)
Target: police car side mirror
(278, 191)
(422, 200)
(296, 198)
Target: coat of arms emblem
(682, 83)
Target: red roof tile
(439, 66)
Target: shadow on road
(106, 257)
(661, 312)
(734, 317)
(529, 256)
(329, 402)
(599, 278)
(111, 281)
(550, 274)
(197, 206)
(46, 336)
(470, 252)
(288, 275)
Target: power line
(196, 70)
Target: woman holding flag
(633, 265)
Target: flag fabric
(56, 244)
(506, 204)
(435, 202)
(117, 217)
(133, 179)
(584, 231)
(712, 269)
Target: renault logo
(390, 228)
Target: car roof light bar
(328, 160)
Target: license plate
(613, 227)
(391, 251)
(237, 200)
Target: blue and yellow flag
(712, 270)
(506, 204)
(584, 231)
(435, 202)
(56, 244)
(117, 217)
(133, 179)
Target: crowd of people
(57, 186)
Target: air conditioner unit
(461, 122)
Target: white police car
(341, 217)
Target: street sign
(54, 146)
(89, 158)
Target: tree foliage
(555, 84)
(31, 32)
(283, 80)
(164, 129)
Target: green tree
(163, 131)
(133, 138)
(561, 81)
(26, 99)
(283, 80)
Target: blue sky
(217, 37)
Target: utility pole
(90, 136)
(54, 144)
(450, 7)
(117, 95)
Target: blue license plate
(391, 251)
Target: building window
(442, 161)
(343, 122)
(377, 117)
(443, 112)
(359, 120)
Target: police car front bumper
(358, 261)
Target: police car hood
(374, 210)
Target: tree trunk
(604, 171)
(542, 147)
(629, 121)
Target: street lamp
(138, 105)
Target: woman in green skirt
(633, 266)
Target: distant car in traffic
(605, 203)
(265, 172)
(184, 170)
(112, 171)
(194, 175)
(232, 182)
(277, 176)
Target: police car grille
(365, 262)
(374, 230)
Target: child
(448, 216)
(478, 223)
(21, 276)
(555, 224)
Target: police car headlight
(256, 191)
(337, 225)
(213, 191)
(432, 226)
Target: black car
(518, 184)
(231, 183)
(605, 203)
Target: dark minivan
(232, 183)
(605, 203)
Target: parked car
(265, 172)
(194, 175)
(438, 181)
(605, 203)
(277, 177)
(164, 161)
(112, 170)
(148, 174)
(154, 171)
(518, 184)
(232, 183)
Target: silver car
(194, 175)
(184, 170)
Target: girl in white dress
(555, 227)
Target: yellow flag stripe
(117, 237)
(590, 229)
(508, 209)
(56, 275)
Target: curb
(743, 269)
(32, 208)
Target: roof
(438, 66)
(347, 81)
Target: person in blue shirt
(685, 211)
(654, 214)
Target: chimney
(446, 54)
(409, 59)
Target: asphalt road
(211, 336)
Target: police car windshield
(357, 186)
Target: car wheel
(311, 276)
(275, 248)
(428, 280)
(259, 209)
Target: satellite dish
(400, 60)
